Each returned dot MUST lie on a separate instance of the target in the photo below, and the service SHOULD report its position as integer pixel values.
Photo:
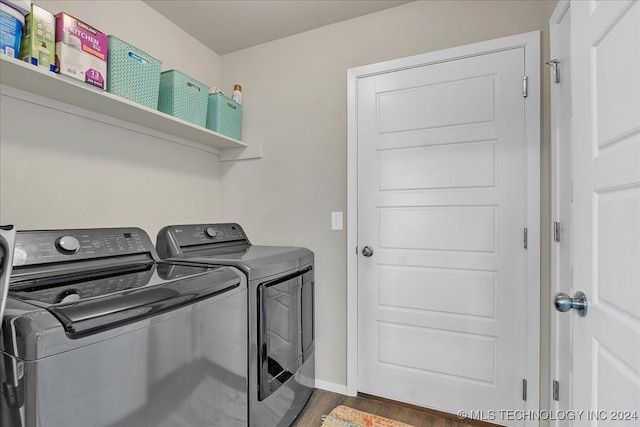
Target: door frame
(531, 44)
(558, 14)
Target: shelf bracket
(251, 151)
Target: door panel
(433, 105)
(402, 345)
(455, 291)
(606, 145)
(463, 228)
(465, 165)
(442, 200)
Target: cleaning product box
(11, 23)
(81, 51)
(38, 38)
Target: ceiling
(229, 25)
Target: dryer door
(285, 329)
(7, 239)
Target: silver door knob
(579, 303)
(367, 251)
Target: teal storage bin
(183, 97)
(132, 73)
(224, 115)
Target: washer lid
(107, 299)
(84, 317)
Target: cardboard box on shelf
(81, 51)
(38, 38)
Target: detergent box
(81, 51)
(37, 45)
(11, 23)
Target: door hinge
(525, 86)
(554, 69)
(556, 390)
(524, 389)
(556, 231)
(526, 239)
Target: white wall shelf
(31, 79)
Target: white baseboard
(332, 387)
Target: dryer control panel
(197, 234)
(49, 246)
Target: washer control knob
(69, 295)
(68, 245)
(211, 232)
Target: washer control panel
(43, 247)
(86, 289)
(189, 235)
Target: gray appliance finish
(98, 332)
(281, 329)
(7, 238)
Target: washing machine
(7, 238)
(280, 309)
(99, 332)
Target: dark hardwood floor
(322, 402)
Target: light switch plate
(336, 220)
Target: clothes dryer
(280, 308)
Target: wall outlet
(336, 220)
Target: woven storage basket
(224, 115)
(183, 97)
(132, 73)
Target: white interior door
(442, 204)
(562, 205)
(605, 52)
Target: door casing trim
(558, 14)
(531, 44)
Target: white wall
(294, 93)
(59, 169)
